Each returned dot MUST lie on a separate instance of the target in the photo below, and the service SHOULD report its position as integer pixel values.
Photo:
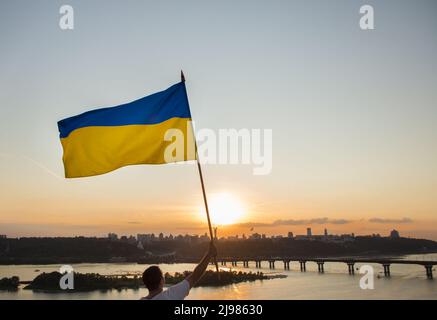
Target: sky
(352, 112)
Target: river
(406, 282)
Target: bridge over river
(350, 262)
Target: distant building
(255, 236)
(3, 236)
(394, 234)
(348, 237)
(290, 234)
(187, 238)
(309, 232)
(112, 236)
(140, 245)
(141, 237)
(144, 237)
(301, 237)
(326, 232)
(194, 238)
(204, 237)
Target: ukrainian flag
(102, 140)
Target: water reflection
(406, 282)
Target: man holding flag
(154, 280)
(138, 132)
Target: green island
(95, 281)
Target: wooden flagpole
(205, 201)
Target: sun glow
(224, 209)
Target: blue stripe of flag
(152, 109)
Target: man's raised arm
(201, 267)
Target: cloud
(382, 220)
(324, 220)
(293, 222)
(134, 222)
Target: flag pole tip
(182, 76)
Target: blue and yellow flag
(139, 132)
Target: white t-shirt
(177, 292)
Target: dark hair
(152, 277)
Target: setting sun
(224, 209)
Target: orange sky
(354, 138)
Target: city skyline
(309, 232)
(142, 238)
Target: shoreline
(86, 282)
